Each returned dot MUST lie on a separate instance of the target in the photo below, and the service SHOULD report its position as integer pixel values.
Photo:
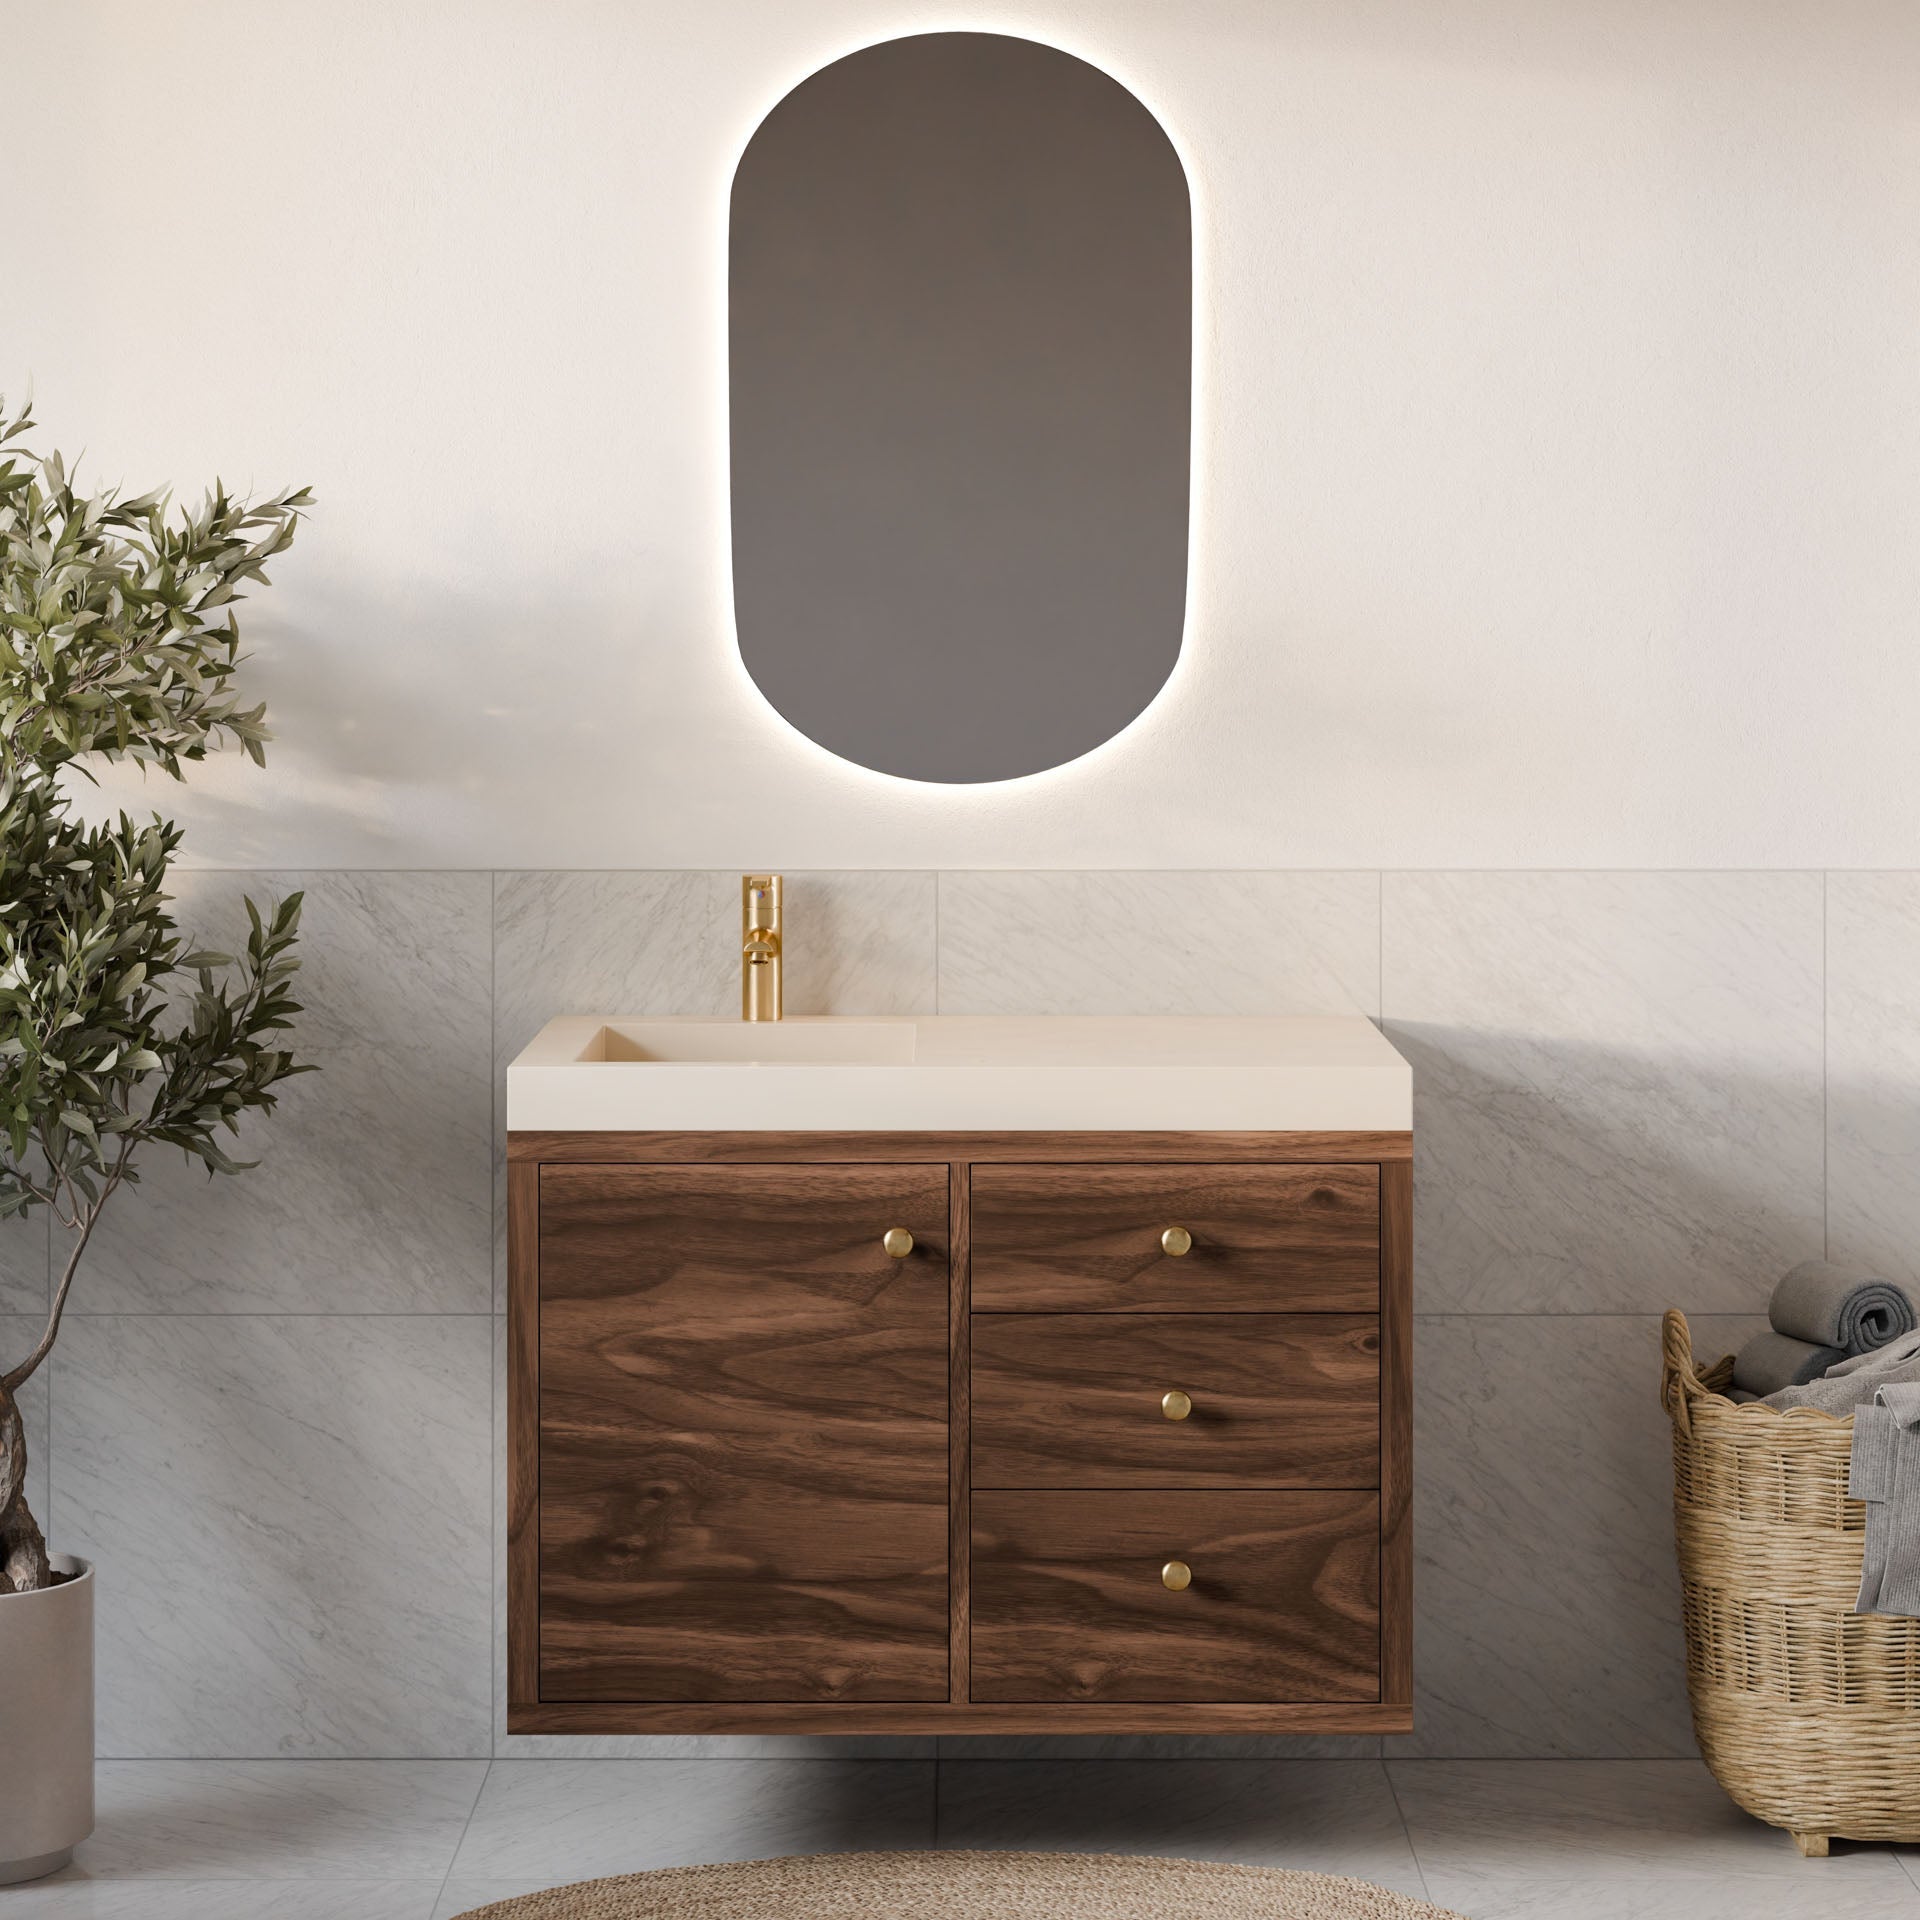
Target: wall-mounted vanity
(947, 1375)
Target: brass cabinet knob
(1175, 1404)
(898, 1242)
(1176, 1576)
(1176, 1241)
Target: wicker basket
(1807, 1713)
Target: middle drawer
(1096, 1400)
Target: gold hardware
(1175, 1404)
(898, 1242)
(761, 997)
(1176, 1576)
(1176, 1241)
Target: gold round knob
(898, 1242)
(1176, 1241)
(1176, 1576)
(1175, 1404)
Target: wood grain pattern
(1396, 1434)
(1068, 1604)
(959, 1443)
(1086, 1239)
(523, 1432)
(899, 1147)
(1073, 1400)
(744, 1463)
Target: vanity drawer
(1076, 1400)
(1088, 1238)
(1070, 1602)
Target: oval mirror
(960, 319)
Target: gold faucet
(760, 992)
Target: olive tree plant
(117, 642)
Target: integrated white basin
(959, 1073)
(755, 1043)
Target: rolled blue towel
(1828, 1305)
(1770, 1361)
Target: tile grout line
(465, 1827)
(1393, 1793)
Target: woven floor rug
(966, 1886)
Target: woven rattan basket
(1807, 1713)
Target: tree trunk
(23, 1551)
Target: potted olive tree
(117, 641)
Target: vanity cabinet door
(743, 1433)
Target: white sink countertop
(960, 1074)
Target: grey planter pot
(46, 1724)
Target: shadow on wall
(1562, 1177)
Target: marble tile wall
(274, 1417)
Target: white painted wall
(1560, 422)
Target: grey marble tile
(1617, 1085)
(660, 1746)
(1322, 1816)
(18, 1332)
(282, 1820)
(373, 1190)
(1873, 1070)
(23, 1262)
(576, 1819)
(1108, 942)
(290, 1515)
(78, 1898)
(1622, 1840)
(1547, 1606)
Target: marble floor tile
(78, 1898)
(1617, 1085)
(24, 1243)
(1323, 1816)
(372, 1192)
(576, 1819)
(1873, 1070)
(282, 1820)
(290, 1517)
(1623, 1840)
(649, 1746)
(1547, 1614)
(1245, 943)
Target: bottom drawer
(1070, 1603)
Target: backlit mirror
(960, 325)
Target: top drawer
(1089, 1238)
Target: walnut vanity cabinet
(830, 1432)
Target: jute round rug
(966, 1886)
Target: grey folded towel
(1853, 1383)
(1770, 1361)
(1885, 1473)
(1829, 1305)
